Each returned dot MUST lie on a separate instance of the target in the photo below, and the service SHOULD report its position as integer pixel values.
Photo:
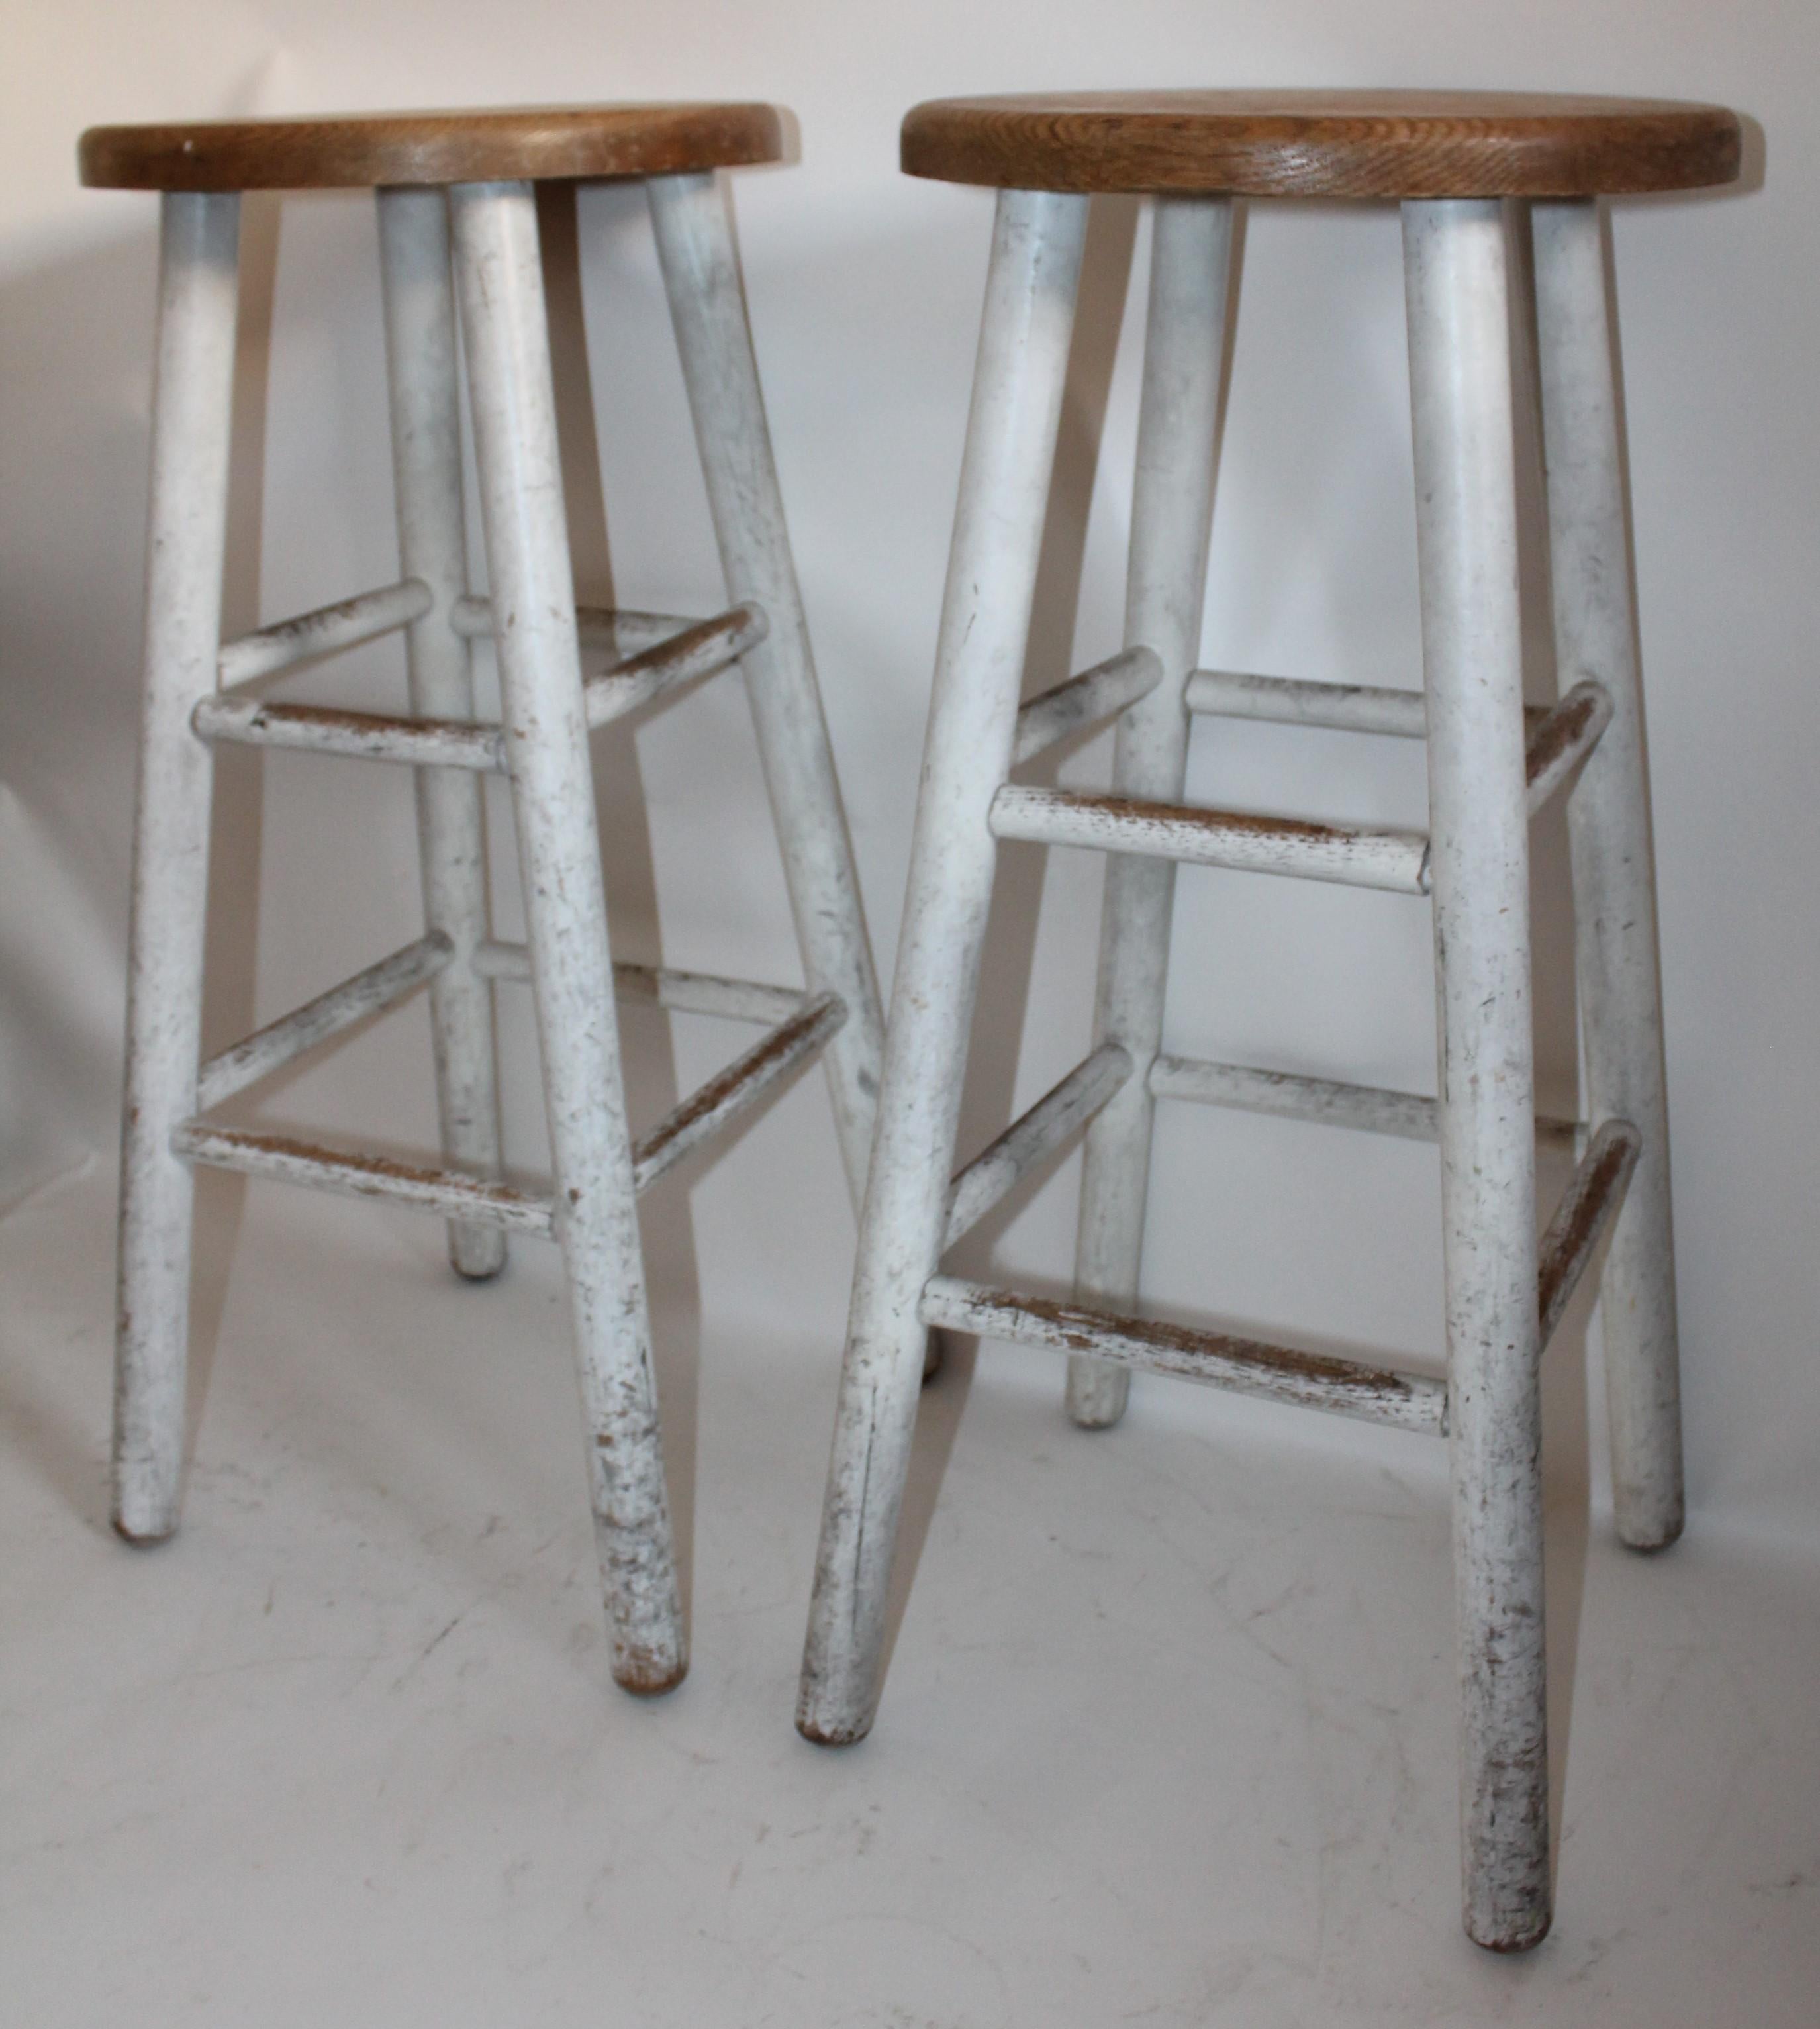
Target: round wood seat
(521, 144)
(1333, 144)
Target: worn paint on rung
(1587, 1206)
(1246, 1366)
(1244, 841)
(347, 624)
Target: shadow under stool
(457, 225)
(1451, 161)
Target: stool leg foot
(701, 269)
(1466, 496)
(1616, 958)
(503, 318)
(198, 303)
(426, 424)
(1172, 517)
(1005, 476)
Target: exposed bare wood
(1587, 1206)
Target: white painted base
(351, 1752)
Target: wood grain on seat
(359, 150)
(1335, 144)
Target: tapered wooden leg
(502, 311)
(1172, 515)
(426, 424)
(707, 300)
(1466, 510)
(1616, 958)
(197, 302)
(1005, 477)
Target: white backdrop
(865, 289)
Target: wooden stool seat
(362, 151)
(1342, 144)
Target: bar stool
(469, 176)
(1450, 160)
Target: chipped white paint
(701, 271)
(1409, 1115)
(325, 632)
(370, 991)
(1033, 1137)
(1005, 474)
(527, 536)
(1218, 1359)
(1353, 854)
(1472, 653)
(1616, 958)
(1171, 522)
(423, 376)
(1085, 701)
(198, 297)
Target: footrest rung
(1357, 857)
(1033, 1137)
(1096, 694)
(1249, 1367)
(346, 624)
(618, 629)
(279, 1042)
(681, 992)
(1288, 701)
(697, 651)
(1563, 739)
(446, 1193)
(738, 1088)
(1587, 1206)
(1374, 1109)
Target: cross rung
(738, 1088)
(1249, 1367)
(279, 1042)
(448, 1194)
(1096, 694)
(618, 629)
(682, 993)
(1033, 1137)
(1395, 860)
(345, 624)
(1399, 714)
(445, 1192)
(697, 651)
(1587, 1206)
(1373, 1108)
(1563, 738)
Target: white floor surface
(1168, 1735)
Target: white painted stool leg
(1454, 264)
(426, 424)
(1614, 863)
(503, 314)
(197, 302)
(1005, 476)
(707, 299)
(1172, 517)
